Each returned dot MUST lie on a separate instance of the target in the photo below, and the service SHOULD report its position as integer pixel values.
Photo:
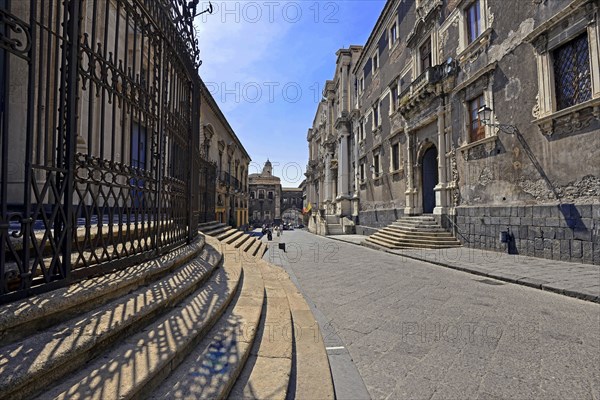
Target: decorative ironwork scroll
(101, 116)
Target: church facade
(484, 114)
(265, 197)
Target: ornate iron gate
(99, 126)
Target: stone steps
(77, 322)
(309, 354)
(241, 241)
(257, 248)
(418, 231)
(395, 246)
(205, 224)
(417, 236)
(233, 237)
(332, 219)
(212, 368)
(254, 250)
(335, 229)
(217, 231)
(419, 226)
(22, 318)
(270, 362)
(414, 232)
(333, 225)
(225, 236)
(248, 244)
(197, 327)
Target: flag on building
(307, 209)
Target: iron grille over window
(572, 73)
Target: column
(343, 166)
(356, 168)
(441, 200)
(411, 191)
(328, 179)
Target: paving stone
(508, 386)
(402, 296)
(414, 387)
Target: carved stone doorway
(429, 179)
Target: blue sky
(266, 62)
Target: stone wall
(372, 220)
(567, 232)
(365, 230)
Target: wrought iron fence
(99, 130)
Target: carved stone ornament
(362, 147)
(490, 17)
(442, 44)
(377, 139)
(396, 122)
(455, 178)
(536, 109)
(426, 7)
(570, 123)
(541, 44)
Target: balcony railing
(235, 183)
(230, 181)
(422, 87)
(430, 76)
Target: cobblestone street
(417, 330)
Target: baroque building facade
(221, 146)
(401, 130)
(265, 197)
(291, 205)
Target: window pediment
(546, 35)
(568, 98)
(570, 120)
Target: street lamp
(485, 116)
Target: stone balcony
(430, 84)
(420, 90)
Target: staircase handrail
(455, 229)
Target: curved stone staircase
(237, 238)
(413, 232)
(209, 320)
